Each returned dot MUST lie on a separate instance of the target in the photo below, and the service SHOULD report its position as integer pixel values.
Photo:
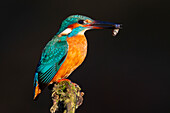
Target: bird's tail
(36, 90)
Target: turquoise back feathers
(51, 60)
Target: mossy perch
(66, 97)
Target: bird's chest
(77, 47)
(77, 50)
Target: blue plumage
(51, 59)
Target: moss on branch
(66, 97)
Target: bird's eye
(81, 22)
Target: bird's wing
(51, 60)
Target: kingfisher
(66, 50)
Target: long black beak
(105, 25)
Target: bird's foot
(63, 80)
(67, 81)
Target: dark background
(128, 73)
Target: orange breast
(76, 54)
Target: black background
(128, 73)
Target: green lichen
(66, 97)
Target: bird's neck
(77, 31)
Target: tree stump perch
(66, 96)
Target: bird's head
(78, 24)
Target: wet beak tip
(118, 26)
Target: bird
(65, 51)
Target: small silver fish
(115, 32)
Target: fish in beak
(106, 25)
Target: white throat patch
(82, 32)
